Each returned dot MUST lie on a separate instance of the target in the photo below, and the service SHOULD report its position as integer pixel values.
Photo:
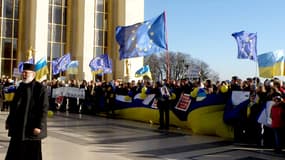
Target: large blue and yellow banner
(271, 64)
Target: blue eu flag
(60, 64)
(63, 62)
(246, 45)
(96, 64)
(142, 39)
(55, 67)
(102, 62)
(107, 63)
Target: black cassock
(28, 111)
(24, 150)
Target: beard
(29, 79)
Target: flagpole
(127, 68)
(167, 52)
(256, 73)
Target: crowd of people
(100, 97)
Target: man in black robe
(27, 120)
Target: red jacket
(278, 116)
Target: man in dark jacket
(162, 95)
(27, 120)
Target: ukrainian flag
(72, 67)
(98, 71)
(9, 93)
(144, 71)
(41, 69)
(271, 64)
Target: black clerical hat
(28, 66)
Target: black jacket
(28, 111)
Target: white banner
(148, 99)
(239, 96)
(123, 98)
(71, 92)
(265, 117)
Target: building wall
(83, 35)
(33, 33)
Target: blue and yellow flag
(271, 64)
(9, 92)
(144, 71)
(41, 69)
(246, 45)
(95, 72)
(72, 67)
(143, 38)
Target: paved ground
(75, 136)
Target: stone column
(33, 28)
(83, 35)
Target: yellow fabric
(224, 89)
(99, 71)
(144, 89)
(208, 120)
(8, 97)
(142, 95)
(276, 69)
(194, 93)
(42, 72)
(173, 96)
(128, 98)
(248, 109)
(72, 70)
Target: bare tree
(181, 66)
(155, 65)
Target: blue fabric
(10, 89)
(246, 45)
(61, 64)
(102, 62)
(107, 63)
(211, 99)
(233, 113)
(55, 67)
(142, 39)
(269, 59)
(143, 71)
(40, 64)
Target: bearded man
(27, 119)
